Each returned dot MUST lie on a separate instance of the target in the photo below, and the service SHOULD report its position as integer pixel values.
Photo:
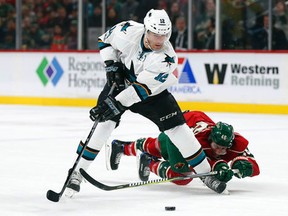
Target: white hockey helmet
(158, 22)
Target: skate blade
(69, 193)
(225, 192)
(108, 149)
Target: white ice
(38, 147)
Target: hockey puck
(170, 208)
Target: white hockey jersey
(149, 72)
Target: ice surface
(38, 147)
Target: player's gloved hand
(224, 174)
(115, 74)
(107, 110)
(244, 166)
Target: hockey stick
(54, 196)
(142, 183)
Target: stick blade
(53, 196)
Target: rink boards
(252, 82)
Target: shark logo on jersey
(169, 60)
(125, 26)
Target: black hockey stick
(54, 196)
(142, 183)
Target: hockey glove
(224, 174)
(107, 110)
(115, 74)
(244, 166)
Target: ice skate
(114, 152)
(73, 184)
(214, 184)
(144, 161)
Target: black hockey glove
(115, 74)
(107, 110)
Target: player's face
(155, 41)
(218, 150)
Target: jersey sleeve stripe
(142, 90)
(102, 45)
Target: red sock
(152, 146)
(149, 145)
(130, 149)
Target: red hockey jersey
(202, 125)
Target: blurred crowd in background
(52, 24)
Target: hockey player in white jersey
(140, 60)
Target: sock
(149, 145)
(130, 149)
(88, 156)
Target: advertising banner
(233, 78)
(68, 75)
(255, 78)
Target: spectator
(96, 19)
(7, 25)
(116, 5)
(58, 41)
(9, 42)
(62, 19)
(42, 19)
(281, 16)
(129, 9)
(163, 4)
(210, 37)
(5, 9)
(9, 35)
(179, 37)
(203, 21)
(51, 19)
(259, 36)
(35, 38)
(71, 37)
(70, 6)
(112, 18)
(143, 7)
(235, 17)
(174, 13)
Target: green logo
(49, 72)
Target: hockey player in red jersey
(220, 143)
